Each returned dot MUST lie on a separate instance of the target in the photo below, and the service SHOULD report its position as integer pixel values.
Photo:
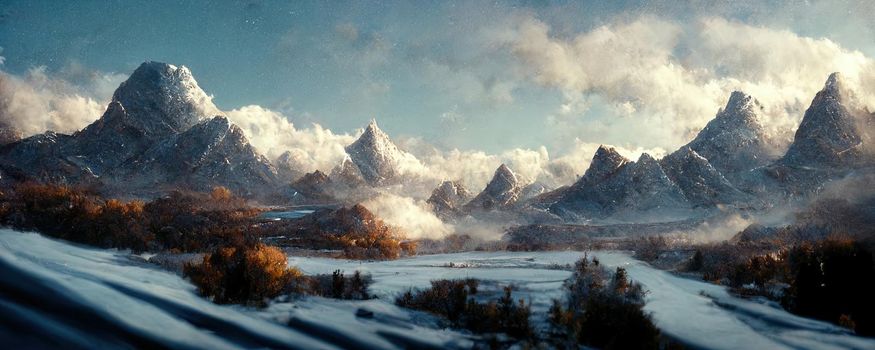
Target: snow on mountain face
(829, 134)
(158, 100)
(155, 134)
(162, 99)
(604, 163)
(448, 197)
(635, 187)
(501, 192)
(347, 173)
(700, 182)
(735, 141)
(211, 153)
(377, 157)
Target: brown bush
(240, 274)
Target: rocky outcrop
(502, 192)
(634, 187)
(700, 182)
(448, 198)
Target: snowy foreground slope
(56, 294)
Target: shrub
(602, 312)
(240, 274)
(833, 280)
(455, 301)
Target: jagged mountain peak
(835, 83)
(735, 141)
(740, 101)
(504, 175)
(830, 132)
(376, 156)
(646, 160)
(161, 99)
(502, 191)
(448, 197)
(605, 162)
(701, 183)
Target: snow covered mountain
(605, 163)
(502, 192)
(700, 182)
(158, 100)
(347, 173)
(158, 129)
(735, 141)
(376, 156)
(631, 187)
(211, 153)
(832, 132)
(448, 198)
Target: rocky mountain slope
(832, 132)
(633, 187)
(502, 192)
(211, 153)
(377, 158)
(448, 198)
(701, 183)
(158, 130)
(735, 141)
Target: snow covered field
(700, 314)
(61, 295)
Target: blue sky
(458, 74)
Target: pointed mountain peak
(162, 99)
(604, 163)
(607, 152)
(504, 171)
(829, 134)
(736, 140)
(372, 126)
(501, 192)
(835, 83)
(448, 197)
(503, 180)
(376, 156)
(741, 111)
(741, 102)
(646, 158)
(373, 132)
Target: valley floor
(56, 293)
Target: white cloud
(314, 148)
(413, 216)
(662, 82)
(38, 100)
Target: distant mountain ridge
(732, 161)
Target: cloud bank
(662, 81)
(40, 100)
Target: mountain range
(161, 131)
